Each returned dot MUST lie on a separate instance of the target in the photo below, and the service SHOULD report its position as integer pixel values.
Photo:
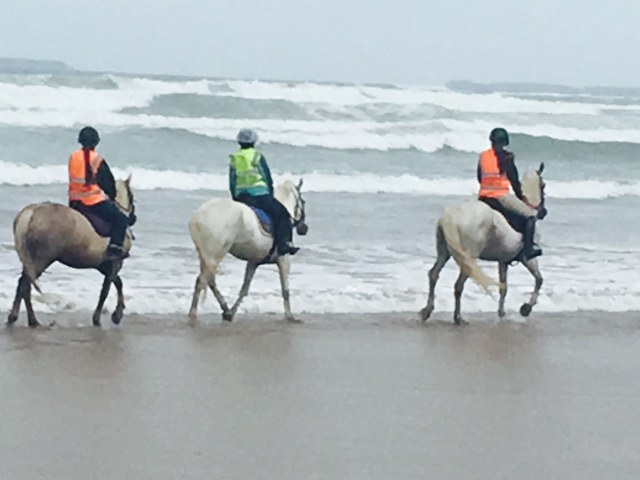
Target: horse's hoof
(116, 318)
(192, 317)
(460, 321)
(425, 313)
(293, 319)
(502, 314)
(34, 323)
(11, 319)
(227, 316)
(525, 309)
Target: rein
(299, 208)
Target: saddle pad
(263, 218)
(102, 227)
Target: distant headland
(26, 66)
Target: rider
(92, 189)
(496, 171)
(250, 183)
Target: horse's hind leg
(532, 266)
(106, 285)
(434, 273)
(502, 269)
(248, 276)
(116, 317)
(15, 310)
(459, 287)
(221, 301)
(26, 295)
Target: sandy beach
(341, 396)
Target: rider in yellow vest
(250, 183)
(496, 173)
(92, 189)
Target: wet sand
(340, 397)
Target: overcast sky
(576, 42)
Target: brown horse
(46, 232)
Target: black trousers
(517, 221)
(282, 229)
(110, 213)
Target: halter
(132, 207)
(298, 209)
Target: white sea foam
(49, 106)
(393, 283)
(148, 179)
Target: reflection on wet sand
(351, 396)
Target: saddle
(267, 227)
(517, 222)
(101, 226)
(265, 221)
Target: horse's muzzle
(302, 229)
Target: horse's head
(124, 195)
(533, 189)
(299, 213)
(290, 196)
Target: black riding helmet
(88, 137)
(499, 137)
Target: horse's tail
(448, 228)
(20, 233)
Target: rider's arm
(105, 180)
(266, 173)
(512, 174)
(232, 181)
(479, 173)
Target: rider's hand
(132, 219)
(542, 213)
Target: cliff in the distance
(23, 65)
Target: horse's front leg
(459, 287)
(502, 270)
(106, 286)
(119, 311)
(284, 264)
(244, 290)
(532, 266)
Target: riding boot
(117, 251)
(287, 248)
(531, 250)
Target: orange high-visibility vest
(493, 183)
(81, 189)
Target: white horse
(222, 226)
(474, 230)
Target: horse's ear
(299, 187)
(541, 169)
(127, 182)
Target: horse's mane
(530, 183)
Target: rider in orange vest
(496, 173)
(92, 189)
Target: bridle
(299, 214)
(132, 206)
